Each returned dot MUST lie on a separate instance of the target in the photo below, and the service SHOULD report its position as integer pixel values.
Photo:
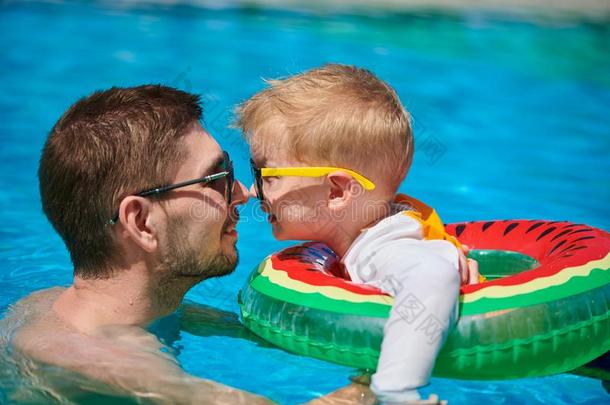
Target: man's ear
(136, 221)
(343, 189)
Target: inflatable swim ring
(545, 308)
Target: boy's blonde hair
(335, 115)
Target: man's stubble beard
(183, 266)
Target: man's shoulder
(31, 309)
(38, 299)
(35, 329)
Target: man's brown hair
(106, 146)
(334, 115)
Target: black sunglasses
(228, 173)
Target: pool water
(512, 120)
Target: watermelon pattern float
(545, 308)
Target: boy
(329, 149)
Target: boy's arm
(358, 394)
(424, 279)
(352, 394)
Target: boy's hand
(432, 399)
(469, 268)
(353, 394)
(361, 378)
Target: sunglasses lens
(230, 179)
(258, 180)
(259, 187)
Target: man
(145, 201)
(136, 247)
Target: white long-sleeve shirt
(423, 277)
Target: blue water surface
(511, 117)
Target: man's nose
(240, 193)
(252, 192)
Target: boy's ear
(343, 189)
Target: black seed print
(560, 234)
(583, 238)
(487, 225)
(576, 248)
(510, 228)
(557, 245)
(543, 234)
(536, 225)
(459, 229)
(579, 231)
(568, 248)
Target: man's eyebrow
(207, 170)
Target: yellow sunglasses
(259, 173)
